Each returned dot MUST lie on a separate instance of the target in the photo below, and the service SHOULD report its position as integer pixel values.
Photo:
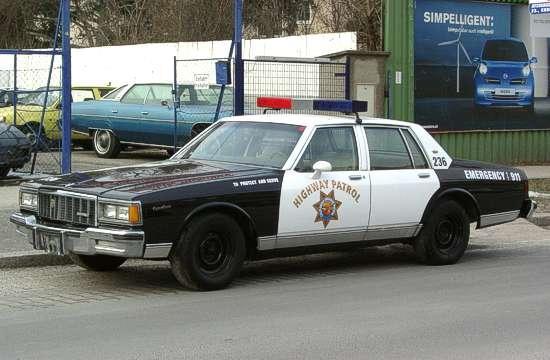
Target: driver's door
(333, 208)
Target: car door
(402, 182)
(126, 116)
(158, 116)
(333, 208)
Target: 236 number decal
(439, 161)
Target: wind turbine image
(459, 47)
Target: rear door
(402, 182)
(335, 207)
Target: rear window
(504, 50)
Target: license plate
(50, 243)
(505, 92)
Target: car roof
(319, 120)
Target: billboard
(480, 66)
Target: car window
(136, 95)
(115, 93)
(504, 50)
(103, 92)
(159, 93)
(263, 144)
(419, 159)
(335, 145)
(387, 149)
(82, 95)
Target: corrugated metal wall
(508, 147)
(398, 37)
(505, 147)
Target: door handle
(114, 111)
(423, 175)
(355, 177)
(145, 113)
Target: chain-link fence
(299, 78)
(30, 99)
(199, 99)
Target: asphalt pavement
(368, 304)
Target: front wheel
(210, 253)
(445, 235)
(97, 262)
(106, 144)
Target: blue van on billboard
(504, 77)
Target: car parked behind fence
(143, 115)
(15, 149)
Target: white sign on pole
(201, 81)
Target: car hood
(129, 182)
(499, 68)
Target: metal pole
(15, 89)
(239, 64)
(348, 78)
(176, 104)
(66, 86)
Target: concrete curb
(31, 259)
(542, 219)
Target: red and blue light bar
(345, 106)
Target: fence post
(15, 89)
(66, 86)
(239, 64)
(176, 104)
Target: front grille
(518, 81)
(490, 80)
(67, 208)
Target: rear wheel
(210, 253)
(97, 262)
(106, 144)
(36, 135)
(445, 235)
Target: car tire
(106, 144)
(210, 253)
(445, 236)
(4, 171)
(31, 130)
(97, 262)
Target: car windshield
(37, 98)
(251, 143)
(189, 95)
(505, 50)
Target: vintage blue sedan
(143, 115)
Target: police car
(261, 186)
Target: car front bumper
(91, 241)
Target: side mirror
(164, 103)
(534, 60)
(476, 60)
(319, 167)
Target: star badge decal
(327, 208)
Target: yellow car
(29, 113)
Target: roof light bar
(345, 106)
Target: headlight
(483, 69)
(120, 212)
(526, 70)
(28, 200)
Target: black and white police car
(261, 186)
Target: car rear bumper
(91, 241)
(528, 208)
